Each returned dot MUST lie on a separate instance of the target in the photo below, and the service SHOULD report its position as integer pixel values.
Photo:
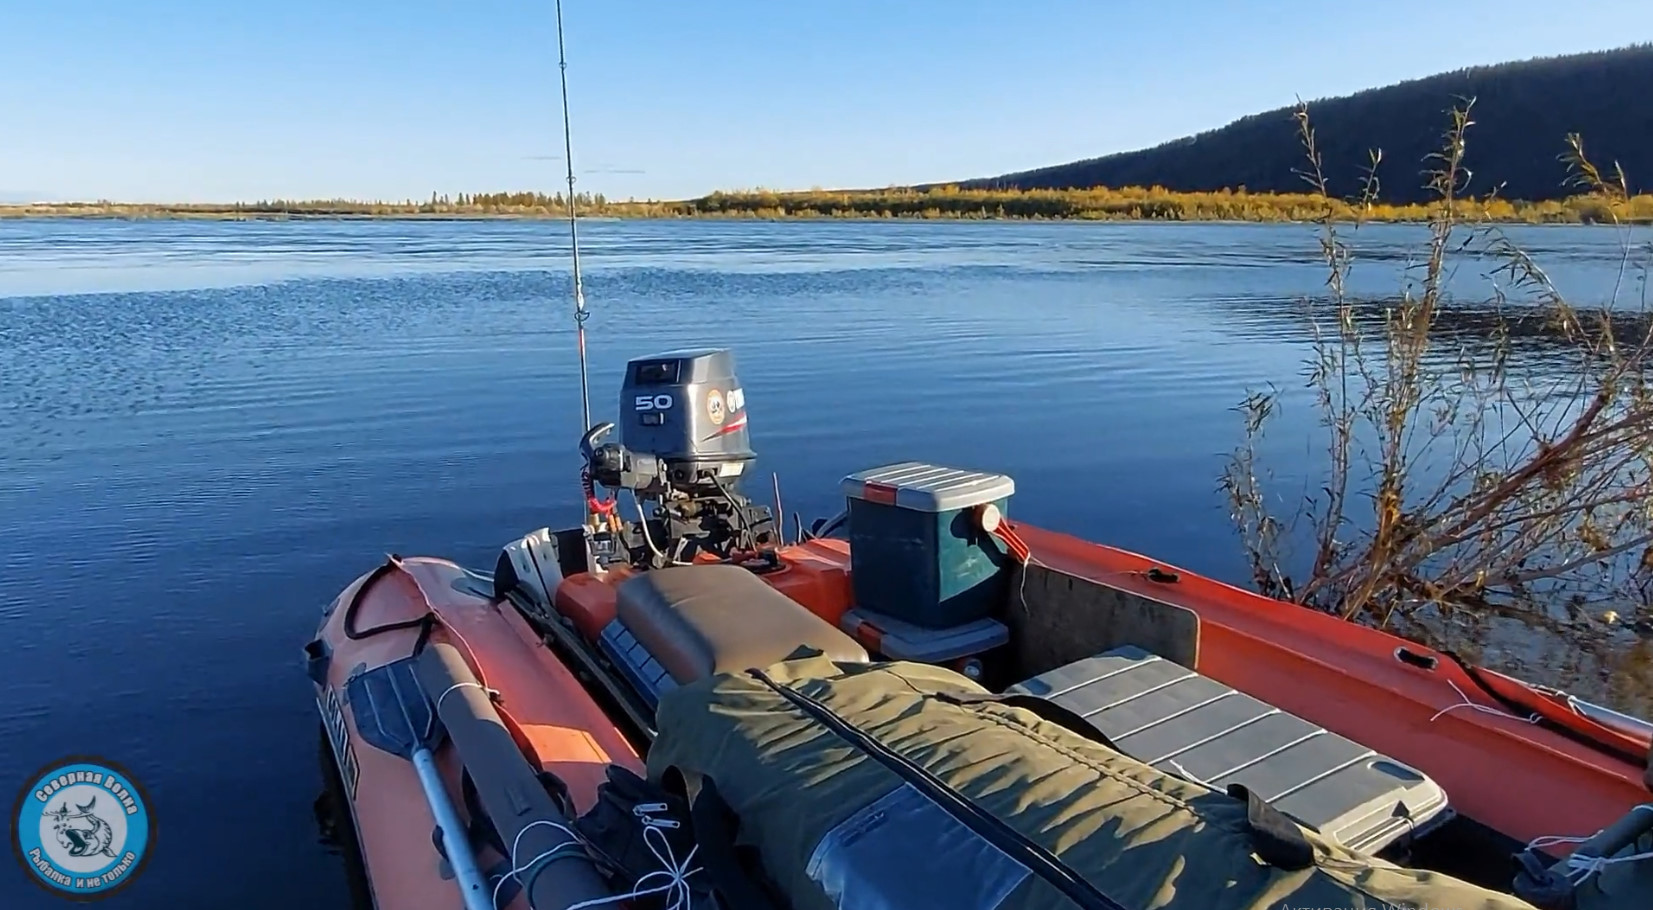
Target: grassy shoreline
(941, 203)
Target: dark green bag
(900, 785)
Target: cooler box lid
(927, 487)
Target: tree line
(1152, 203)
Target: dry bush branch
(1492, 477)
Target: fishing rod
(580, 313)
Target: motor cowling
(687, 410)
(683, 446)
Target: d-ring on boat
(923, 702)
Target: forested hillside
(1523, 112)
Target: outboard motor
(683, 447)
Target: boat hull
(1570, 776)
(1400, 698)
(554, 720)
(1573, 774)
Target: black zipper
(1012, 843)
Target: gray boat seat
(1171, 717)
(697, 621)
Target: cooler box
(917, 553)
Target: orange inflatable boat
(474, 718)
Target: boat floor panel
(1197, 728)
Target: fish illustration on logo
(81, 828)
(81, 832)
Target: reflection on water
(210, 428)
(335, 828)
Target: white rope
(1021, 588)
(1466, 703)
(463, 685)
(1186, 774)
(1540, 842)
(1580, 868)
(516, 870)
(677, 875)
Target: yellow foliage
(1142, 203)
(1130, 203)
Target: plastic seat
(1175, 719)
(698, 621)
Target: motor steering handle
(593, 436)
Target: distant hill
(1523, 112)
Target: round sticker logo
(82, 828)
(714, 407)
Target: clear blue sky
(188, 100)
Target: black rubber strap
(1276, 838)
(1046, 709)
(481, 829)
(558, 790)
(424, 622)
(427, 623)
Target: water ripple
(206, 429)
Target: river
(208, 428)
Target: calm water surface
(207, 429)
